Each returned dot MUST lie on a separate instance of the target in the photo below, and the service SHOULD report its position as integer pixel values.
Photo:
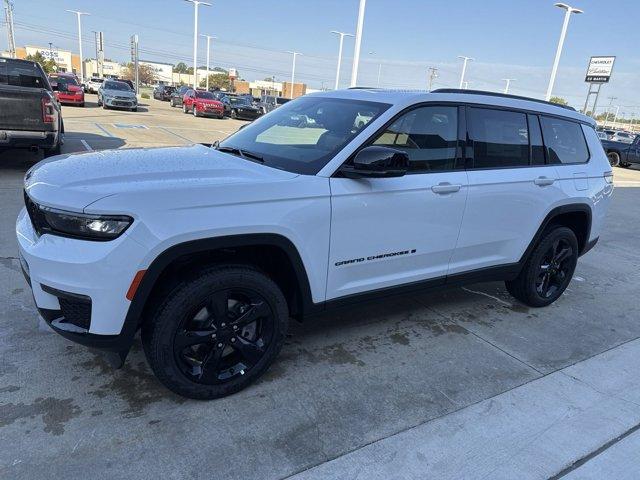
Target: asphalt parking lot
(466, 383)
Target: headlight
(90, 227)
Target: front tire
(172, 103)
(234, 115)
(184, 108)
(548, 270)
(216, 333)
(195, 111)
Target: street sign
(599, 69)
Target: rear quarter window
(564, 140)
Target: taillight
(608, 176)
(48, 110)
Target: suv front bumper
(80, 286)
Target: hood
(74, 181)
(118, 93)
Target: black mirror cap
(377, 161)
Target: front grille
(36, 215)
(76, 311)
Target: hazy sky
(508, 39)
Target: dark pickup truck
(622, 154)
(30, 115)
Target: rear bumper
(27, 139)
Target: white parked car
(93, 84)
(210, 251)
(624, 137)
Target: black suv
(176, 96)
(163, 92)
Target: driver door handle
(445, 187)
(543, 181)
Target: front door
(387, 232)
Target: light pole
(379, 70)
(606, 115)
(508, 80)
(615, 116)
(293, 69)
(79, 14)
(433, 74)
(342, 35)
(568, 11)
(208, 37)
(464, 68)
(356, 50)
(196, 4)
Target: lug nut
(233, 340)
(219, 345)
(223, 325)
(235, 327)
(213, 335)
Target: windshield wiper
(241, 153)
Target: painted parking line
(128, 125)
(104, 130)
(86, 145)
(176, 134)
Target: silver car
(115, 94)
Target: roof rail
(496, 94)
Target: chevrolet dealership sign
(599, 70)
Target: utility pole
(615, 117)
(342, 35)
(8, 16)
(508, 80)
(293, 69)
(208, 37)
(196, 4)
(433, 74)
(356, 50)
(464, 68)
(606, 115)
(134, 60)
(563, 33)
(79, 14)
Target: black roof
(496, 94)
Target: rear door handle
(544, 181)
(445, 187)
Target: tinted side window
(564, 140)
(429, 135)
(21, 74)
(500, 138)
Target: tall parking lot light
(342, 35)
(79, 14)
(356, 50)
(508, 83)
(208, 37)
(568, 11)
(464, 68)
(196, 4)
(293, 69)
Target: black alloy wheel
(224, 338)
(547, 271)
(614, 159)
(216, 332)
(555, 268)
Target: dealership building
(66, 61)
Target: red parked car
(67, 89)
(202, 103)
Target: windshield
(208, 95)
(64, 80)
(303, 135)
(239, 101)
(117, 86)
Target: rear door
(511, 188)
(387, 232)
(22, 86)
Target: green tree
(146, 74)
(48, 65)
(558, 100)
(218, 80)
(180, 68)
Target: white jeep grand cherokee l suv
(210, 251)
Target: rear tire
(234, 115)
(614, 159)
(548, 270)
(197, 342)
(172, 103)
(184, 108)
(195, 112)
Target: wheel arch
(274, 254)
(576, 216)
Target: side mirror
(377, 162)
